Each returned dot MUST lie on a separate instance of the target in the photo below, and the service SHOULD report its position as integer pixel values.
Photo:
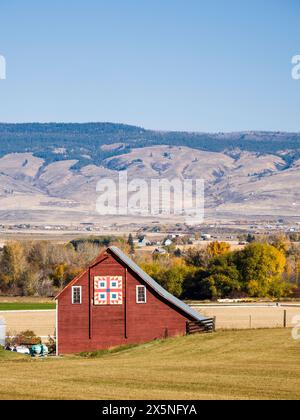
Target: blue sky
(218, 65)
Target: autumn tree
(12, 264)
(197, 257)
(62, 274)
(292, 270)
(261, 267)
(280, 242)
(218, 248)
(85, 253)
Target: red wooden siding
(87, 327)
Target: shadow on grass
(100, 353)
(122, 349)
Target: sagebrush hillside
(49, 172)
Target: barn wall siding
(114, 325)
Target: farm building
(114, 303)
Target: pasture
(10, 303)
(26, 306)
(257, 364)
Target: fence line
(253, 317)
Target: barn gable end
(109, 313)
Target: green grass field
(257, 364)
(16, 306)
(8, 303)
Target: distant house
(144, 242)
(114, 302)
(168, 242)
(159, 251)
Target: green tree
(130, 242)
(169, 273)
(224, 277)
(196, 285)
(250, 238)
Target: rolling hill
(49, 172)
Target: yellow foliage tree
(280, 242)
(13, 263)
(261, 267)
(215, 249)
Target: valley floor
(257, 364)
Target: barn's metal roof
(154, 285)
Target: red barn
(114, 302)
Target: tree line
(266, 269)
(42, 268)
(269, 267)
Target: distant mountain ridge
(49, 172)
(84, 142)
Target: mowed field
(8, 303)
(257, 364)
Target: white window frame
(137, 295)
(80, 288)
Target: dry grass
(258, 364)
(245, 317)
